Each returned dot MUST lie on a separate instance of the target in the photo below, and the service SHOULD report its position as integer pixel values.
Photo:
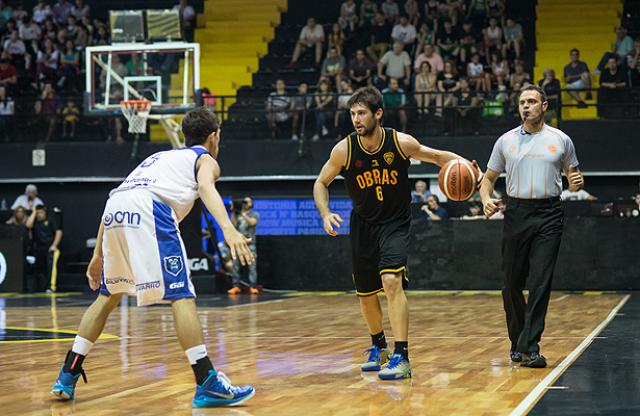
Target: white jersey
(170, 176)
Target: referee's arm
(575, 179)
(490, 205)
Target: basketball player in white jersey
(139, 252)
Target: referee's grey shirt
(533, 161)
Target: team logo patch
(388, 157)
(553, 149)
(173, 265)
(512, 148)
(358, 164)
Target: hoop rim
(135, 103)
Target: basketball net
(136, 112)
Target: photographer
(245, 220)
(46, 234)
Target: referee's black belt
(533, 202)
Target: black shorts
(378, 249)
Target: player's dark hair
(370, 97)
(543, 95)
(574, 50)
(198, 124)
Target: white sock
(81, 346)
(196, 353)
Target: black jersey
(378, 181)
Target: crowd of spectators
(459, 58)
(462, 59)
(41, 71)
(618, 69)
(42, 63)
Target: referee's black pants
(532, 234)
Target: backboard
(167, 74)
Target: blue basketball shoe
(218, 391)
(398, 368)
(378, 357)
(65, 386)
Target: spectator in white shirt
(29, 200)
(396, 64)
(278, 106)
(41, 11)
(14, 45)
(404, 32)
(476, 74)
(30, 32)
(580, 195)
(312, 34)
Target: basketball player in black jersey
(374, 162)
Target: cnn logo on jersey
(122, 219)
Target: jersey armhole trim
(199, 152)
(395, 140)
(348, 153)
(195, 167)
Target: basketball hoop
(136, 112)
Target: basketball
(458, 179)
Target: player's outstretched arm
(411, 147)
(207, 173)
(489, 204)
(328, 173)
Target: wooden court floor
(301, 353)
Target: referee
(534, 155)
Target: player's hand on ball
(491, 207)
(330, 221)
(94, 272)
(576, 181)
(239, 247)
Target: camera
(237, 205)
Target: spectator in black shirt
(447, 84)
(433, 209)
(551, 86)
(611, 95)
(380, 38)
(46, 234)
(469, 41)
(467, 106)
(449, 41)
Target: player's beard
(368, 129)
